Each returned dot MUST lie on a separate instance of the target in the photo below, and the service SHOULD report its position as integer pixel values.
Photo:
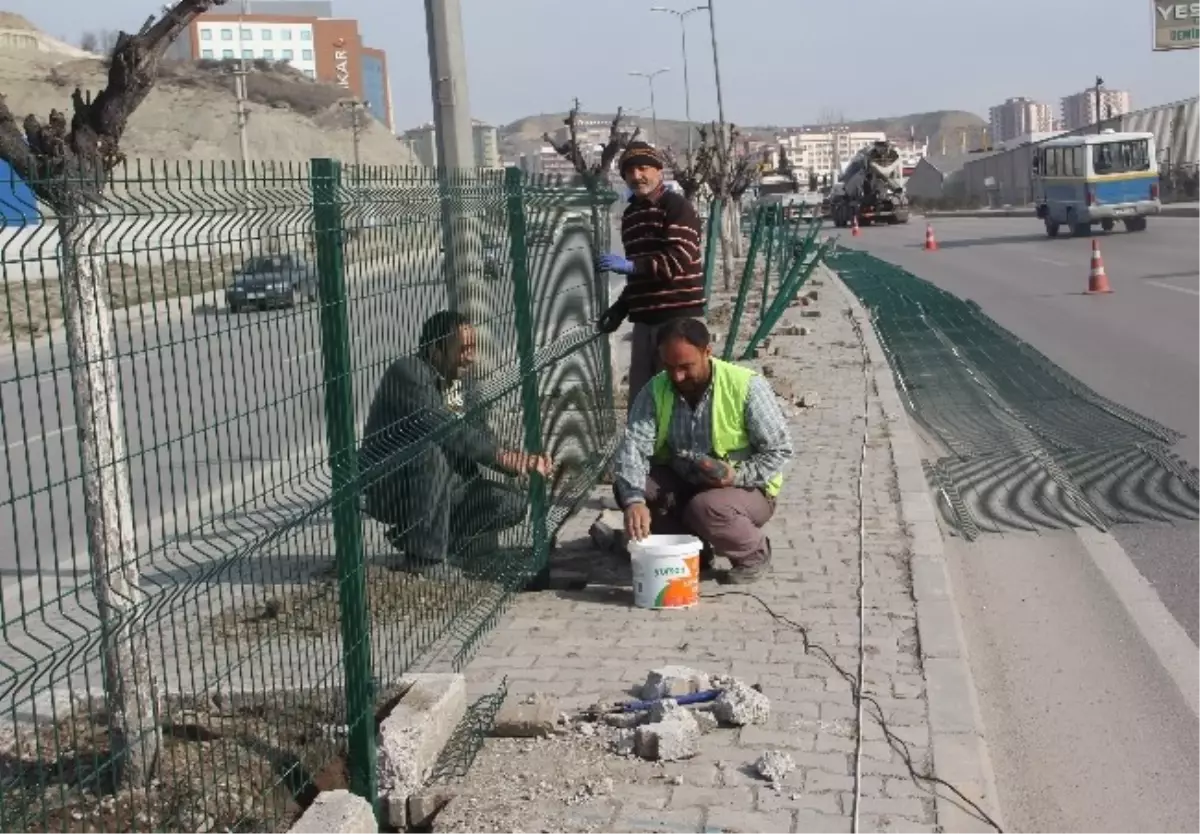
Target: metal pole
(1099, 115)
(239, 88)
(712, 25)
(452, 135)
(653, 111)
(687, 95)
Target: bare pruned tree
(591, 166)
(731, 173)
(66, 161)
(692, 171)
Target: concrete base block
(412, 737)
(337, 812)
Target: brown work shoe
(747, 573)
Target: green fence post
(773, 241)
(787, 291)
(526, 344)
(710, 248)
(343, 463)
(747, 278)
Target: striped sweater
(661, 235)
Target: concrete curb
(959, 743)
(336, 812)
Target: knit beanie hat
(640, 153)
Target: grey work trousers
(435, 512)
(728, 519)
(644, 360)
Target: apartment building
(1079, 110)
(828, 151)
(303, 33)
(484, 137)
(1017, 117)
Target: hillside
(525, 135)
(191, 113)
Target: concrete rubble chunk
(673, 681)
(336, 812)
(706, 721)
(624, 720)
(809, 399)
(533, 717)
(424, 806)
(413, 735)
(665, 710)
(678, 737)
(774, 765)
(624, 742)
(740, 705)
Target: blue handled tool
(683, 700)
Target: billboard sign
(1176, 25)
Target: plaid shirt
(691, 431)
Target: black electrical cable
(896, 743)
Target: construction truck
(871, 188)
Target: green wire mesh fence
(790, 246)
(313, 490)
(1022, 444)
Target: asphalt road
(1136, 346)
(1087, 730)
(209, 399)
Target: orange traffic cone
(1097, 277)
(854, 226)
(930, 240)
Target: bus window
(1052, 157)
(1121, 157)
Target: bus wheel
(1051, 228)
(1135, 224)
(1107, 225)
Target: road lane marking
(39, 438)
(1050, 261)
(1187, 290)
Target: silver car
(272, 281)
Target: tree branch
(571, 150)
(41, 154)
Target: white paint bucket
(666, 571)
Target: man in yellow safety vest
(703, 453)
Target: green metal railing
(266, 432)
(789, 245)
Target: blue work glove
(609, 262)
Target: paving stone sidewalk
(591, 645)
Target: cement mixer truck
(871, 188)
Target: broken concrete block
(534, 717)
(809, 399)
(412, 737)
(624, 720)
(424, 806)
(336, 812)
(668, 741)
(624, 743)
(673, 681)
(774, 765)
(706, 721)
(740, 705)
(665, 710)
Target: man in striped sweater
(660, 233)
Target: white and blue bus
(1079, 181)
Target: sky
(782, 61)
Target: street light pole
(649, 76)
(687, 93)
(1099, 115)
(712, 25)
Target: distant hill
(525, 135)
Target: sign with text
(341, 63)
(1176, 25)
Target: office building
(1079, 110)
(305, 34)
(1017, 117)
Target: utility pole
(1099, 115)
(354, 105)
(687, 94)
(649, 76)
(453, 141)
(239, 91)
(712, 25)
